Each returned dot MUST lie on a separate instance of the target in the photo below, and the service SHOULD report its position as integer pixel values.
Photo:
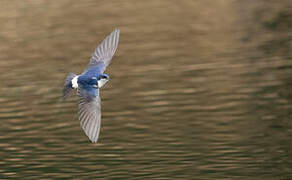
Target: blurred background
(199, 89)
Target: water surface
(198, 90)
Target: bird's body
(88, 84)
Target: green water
(198, 90)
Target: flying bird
(88, 84)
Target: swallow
(88, 84)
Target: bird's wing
(105, 51)
(89, 112)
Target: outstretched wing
(89, 112)
(105, 51)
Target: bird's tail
(68, 85)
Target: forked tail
(68, 85)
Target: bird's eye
(103, 77)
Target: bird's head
(102, 79)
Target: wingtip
(93, 139)
(116, 30)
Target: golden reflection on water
(198, 89)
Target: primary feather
(89, 112)
(105, 51)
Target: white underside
(74, 82)
(101, 82)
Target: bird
(88, 84)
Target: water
(198, 90)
